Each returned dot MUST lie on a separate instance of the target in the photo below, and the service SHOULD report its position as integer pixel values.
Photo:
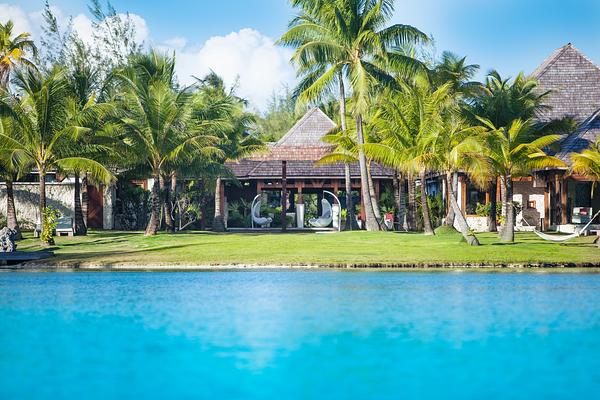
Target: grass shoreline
(189, 251)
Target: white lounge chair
(326, 217)
(257, 219)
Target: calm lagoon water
(299, 334)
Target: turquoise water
(299, 334)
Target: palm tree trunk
(492, 217)
(11, 211)
(152, 227)
(425, 206)
(398, 184)
(451, 187)
(218, 221)
(174, 198)
(374, 200)
(461, 221)
(412, 204)
(508, 230)
(371, 220)
(85, 200)
(167, 207)
(80, 227)
(351, 223)
(42, 196)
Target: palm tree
(408, 119)
(49, 126)
(502, 102)
(235, 141)
(159, 122)
(458, 146)
(454, 70)
(514, 151)
(9, 171)
(587, 163)
(343, 40)
(13, 51)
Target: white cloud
(261, 66)
(85, 29)
(19, 17)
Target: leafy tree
(49, 125)
(159, 122)
(514, 151)
(280, 116)
(235, 141)
(13, 51)
(348, 41)
(407, 121)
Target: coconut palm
(349, 40)
(9, 171)
(159, 122)
(49, 126)
(458, 146)
(408, 119)
(235, 141)
(13, 51)
(587, 163)
(503, 101)
(516, 151)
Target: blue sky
(509, 35)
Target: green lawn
(109, 249)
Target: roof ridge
(301, 122)
(555, 56)
(549, 61)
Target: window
(475, 196)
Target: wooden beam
(283, 196)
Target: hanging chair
(326, 217)
(257, 219)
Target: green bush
(49, 223)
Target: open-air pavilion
(287, 175)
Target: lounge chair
(326, 217)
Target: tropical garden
(114, 113)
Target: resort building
(555, 199)
(308, 182)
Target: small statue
(7, 240)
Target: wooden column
(283, 195)
(564, 189)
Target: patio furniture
(65, 226)
(326, 217)
(581, 215)
(263, 222)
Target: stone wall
(58, 195)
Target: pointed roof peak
(309, 130)
(564, 51)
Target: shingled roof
(574, 83)
(301, 147)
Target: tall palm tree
(13, 51)
(502, 101)
(349, 40)
(9, 171)
(514, 151)
(159, 121)
(407, 121)
(235, 141)
(458, 146)
(454, 70)
(49, 126)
